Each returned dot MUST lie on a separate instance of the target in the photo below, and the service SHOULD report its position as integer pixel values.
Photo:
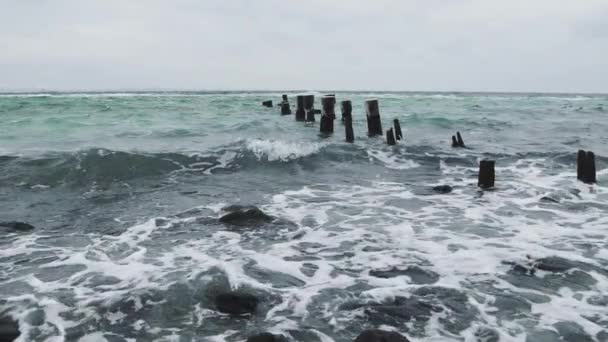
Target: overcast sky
(460, 45)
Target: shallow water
(125, 191)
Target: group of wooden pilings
(305, 111)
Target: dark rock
(9, 329)
(267, 337)
(236, 303)
(377, 335)
(443, 189)
(417, 274)
(19, 226)
(245, 216)
(554, 264)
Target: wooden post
(309, 104)
(590, 166)
(328, 114)
(348, 127)
(285, 109)
(346, 108)
(390, 137)
(585, 170)
(580, 165)
(374, 124)
(267, 103)
(486, 174)
(300, 113)
(457, 140)
(398, 133)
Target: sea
(125, 190)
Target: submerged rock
(9, 329)
(554, 264)
(377, 335)
(267, 337)
(417, 274)
(443, 189)
(245, 216)
(16, 225)
(236, 303)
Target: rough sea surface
(125, 192)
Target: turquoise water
(125, 190)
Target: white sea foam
(276, 150)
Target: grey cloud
(461, 45)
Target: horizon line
(40, 91)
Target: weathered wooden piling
(486, 174)
(300, 112)
(398, 133)
(457, 140)
(348, 127)
(309, 104)
(374, 124)
(390, 137)
(346, 107)
(328, 114)
(267, 103)
(285, 109)
(585, 168)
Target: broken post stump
(585, 168)
(346, 107)
(267, 103)
(486, 174)
(328, 114)
(390, 137)
(348, 127)
(374, 124)
(285, 109)
(398, 133)
(457, 140)
(309, 104)
(300, 113)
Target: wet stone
(377, 335)
(236, 303)
(245, 216)
(554, 264)
(416, 274)
(442, 189)
(267, 337)
(17, 226)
